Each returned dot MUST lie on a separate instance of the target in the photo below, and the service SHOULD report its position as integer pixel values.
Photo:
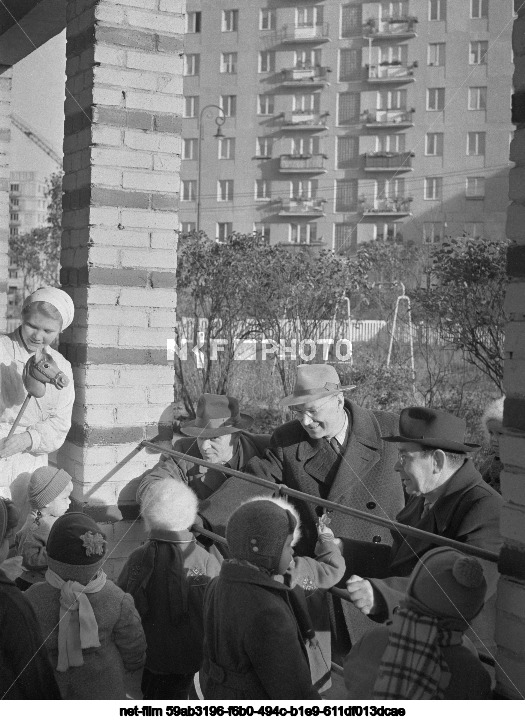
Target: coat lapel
(361, 454)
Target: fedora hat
(313, 381)
(216, 416)
(436, 429)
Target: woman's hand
(16, 444)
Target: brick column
(121, 189)
(510, 631)
(5, 138)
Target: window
(190, 149)
(13, 231)
(15, 187)
(345, 196)
(478, 52)
(351, 20)
(224, 190)
(394, 143)
(435, 98)
(14, 216)
(265, 105)
(433, 232)
(304, 189)
(347, 150)
(192, 64)
(436, 54)
(189, 189)
(229, 63)
(13, 273)
(307, 58)
(191, 106)
(306, 102)
(263, 230)
(349, 65)
(479, 8)
(348, 108)
(474, 230)
(230, 21)
(15, 202)
(345, 238)
(264, 147)
(262, 190)
(475, 188)
(266, 61)
(437, 9)
(193, 22)
(433, 188)
(476, 143)
(267, 19)
(188, 227)
(477, 98)
(434, 144)
(228, 104)
(391, 100)
(226, 148)
(305, 146)
(224, 230)
(303, 233)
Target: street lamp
(219, 120)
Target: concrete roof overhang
(27, 24)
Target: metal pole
(220, 120)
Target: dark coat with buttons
(253, 646)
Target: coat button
(370, 505)
(376, 539)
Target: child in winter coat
(48, 492)
(167, 578)
(91, 628)
(421, 654)
(255, 630)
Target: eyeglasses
(311, 413)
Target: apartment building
(331, 123)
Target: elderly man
(448, 498)
(333, 450)
(217, 434)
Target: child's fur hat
(169, 505)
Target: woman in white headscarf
(45, 421)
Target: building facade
(346, 121)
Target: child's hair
(169, 505)
(493, 412)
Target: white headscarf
(57, 298)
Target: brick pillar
(510, 631)
(121, 184)
(5, 137)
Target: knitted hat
(76, 547)
(45, 485)
(257, 531)
(8, 517)
(169, 505)
(449, 584)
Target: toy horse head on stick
(39, 370)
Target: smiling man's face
(322, 418)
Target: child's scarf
(412, 666)
(72, 638)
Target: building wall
(364, 206)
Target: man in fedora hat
(448, 497)
(218, 434)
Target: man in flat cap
(218, 434)
(448, 497)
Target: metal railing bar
(330, 505)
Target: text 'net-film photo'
(262, 353)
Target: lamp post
(219, 120)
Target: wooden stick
(19, 416)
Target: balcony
(305, 33)
(388, 118)
(391, 73)
(393, 28)
(304, 120)
(302, 163)
(311, 76)
(385, 162)
(394, 207)
(302, 207)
